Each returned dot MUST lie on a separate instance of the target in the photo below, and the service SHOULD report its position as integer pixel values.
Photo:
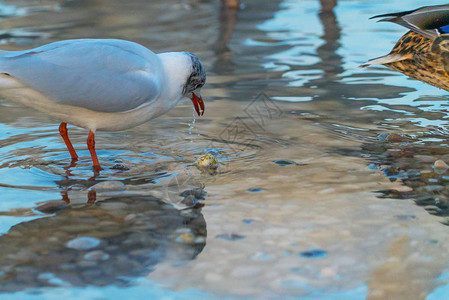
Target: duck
(100, 84)
(423, 52)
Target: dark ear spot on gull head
(197, 76)
(195, 81)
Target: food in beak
(198, 104)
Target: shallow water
(325, 190)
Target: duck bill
(198, 104)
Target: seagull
(100, 84)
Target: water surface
(326, 187)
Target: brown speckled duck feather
(423, 52)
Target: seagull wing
(100, 75)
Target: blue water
(307, 64)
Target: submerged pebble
(433, 188)
(405, 217)
(230, 237)
(52, 207)
(284, 162)
(440, 166)
(393, 137)
(314, 253)
(120, 167)
(109, 186)
(83, 243)
(207, 161)
(77, 187)
(432, 242)
(96, 255)
(198, 193)
(52, 279)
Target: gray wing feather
(100, 75)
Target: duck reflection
(99, 244)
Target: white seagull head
(185, 76)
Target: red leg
(65, 197)
(91, 147)
(63, 131)
(91, 197)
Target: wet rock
(314, 253)
(146, 252)
(86, 263)
(207, 161)
(404, 189)
(391, 172)
(51, 279)
(284, 162)
(130, 217)
(52, 207)
(77, 187)
(440, 166)
(120, 167)
(96, 255)
(198, 193)
(76, 228)
(66, 267)
(92, 274)
(109, 186)
(399, 153)
(83, 243)
(432, 242)
(393, 137)
(230, 237)
(434, 188)
(405, 217)
(23, 256)
(432, 209)
(425, 158)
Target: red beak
(198, 104)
